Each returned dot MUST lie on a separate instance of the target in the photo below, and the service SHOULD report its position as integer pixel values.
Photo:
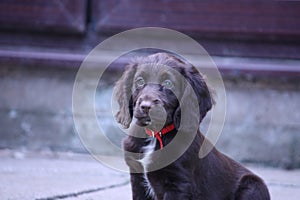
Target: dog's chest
(148, 149)
(146, 160)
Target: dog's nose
(145, 106)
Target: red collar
(159, 134)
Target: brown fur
(215, 177)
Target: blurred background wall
(255, 44)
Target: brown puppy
(153, 92)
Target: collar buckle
(153, 133)
(158, 135)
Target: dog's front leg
(138, 186)
(139, 191)
(178, 195)
(178, 189)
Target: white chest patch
(148, 150)
(145, 161)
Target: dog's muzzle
(149, 110)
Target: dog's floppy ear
(195, 96)
(123, 94)
(202, 91)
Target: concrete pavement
(48, 175)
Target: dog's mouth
(155, 118)
(143, 121)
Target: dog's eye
(168, 84)
(140, 82)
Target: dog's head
(155, 91)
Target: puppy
(168, 98)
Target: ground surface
(72, 176)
